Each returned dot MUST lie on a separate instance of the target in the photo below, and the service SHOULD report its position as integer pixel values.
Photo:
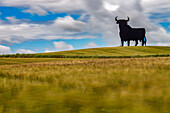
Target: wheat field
(122, 85)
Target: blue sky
(34, 27)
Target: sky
(37, 26)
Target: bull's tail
(145, 40)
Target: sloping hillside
(106, 52)
(116, 51)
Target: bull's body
(127, 33)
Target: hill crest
(105, 52)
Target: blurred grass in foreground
(127, 85)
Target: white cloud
(36, 10)
(69, 24)
(160, 9)
(60, 46)
(110, 7)
(151, 6)
(24, 51)
(48, 50)
(91, 45)
(5, 50)
(13, 19)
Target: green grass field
(116, 51)
(86, 85)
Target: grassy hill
(106, 52)
(115, 51)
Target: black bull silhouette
(127, 33)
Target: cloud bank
(24, 51)
(62, 46)
(91, 45)
(101, 14)
(5, 50)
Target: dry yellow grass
(127, 85)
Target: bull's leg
(128, 42)
(143, 42)
(136, 42)
(122, 42)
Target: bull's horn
(116, 18)
(128, 19)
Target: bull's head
(121, 21)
